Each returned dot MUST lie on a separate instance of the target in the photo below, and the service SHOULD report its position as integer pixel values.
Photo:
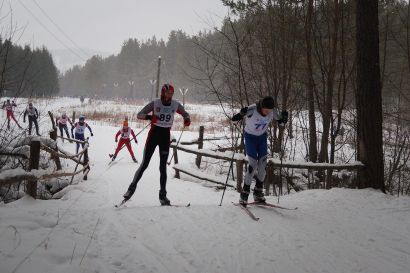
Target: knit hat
(267, 102)
(125, 123)
(166, 87)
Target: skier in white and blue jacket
(78, 130)
(257, 119)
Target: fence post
(31, 187)
(85, 172)
(53, 136)
(239, 175)
(200, 145)
(175, 151)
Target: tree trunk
(311, 85)
(368, 96)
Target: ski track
(332, 231)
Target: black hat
(267, 102)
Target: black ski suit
(159, 135)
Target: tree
(369, 96)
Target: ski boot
(128, 195)
(258, 195)
(163, 198)
(135, 160)
(113, 157)
(243, 198)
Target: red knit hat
(166, 87)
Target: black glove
(92, 134)
(116, 140)
(284, 117)
(187, 122)
(136, 141)
(244, 111)
(240, 115)
(148, 117)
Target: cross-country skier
(257, 119)
(62, 124)
(162, 117)
(10, 113)
(79, 128)
(125, 133)
(32, 114)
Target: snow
(338, 230)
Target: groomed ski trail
(332, 231)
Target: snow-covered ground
(339, 230)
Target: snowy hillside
(332, 231)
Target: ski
(247, 211)
(113, 162)
(269, 205)
(171, 205)
(177, 206)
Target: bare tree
(368, 96)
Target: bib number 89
(165, 118)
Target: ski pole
(230, 168)
(282, 153)
(169, 162)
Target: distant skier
(10, 113)
(257, 119)
(125, 133)
(62, 124)
(79, 128)
(82, 99)
(163, 111)
(32, 114)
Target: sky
(103, 25)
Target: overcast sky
(103, 25)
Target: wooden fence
(49, 145)
(240, 161)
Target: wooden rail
(33, 175)
(240, 160)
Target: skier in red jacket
(10, 113)
(125, 133)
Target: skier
(125, 133)
(62, 124)
(80, 130)
(10, 114)
(257, 118)
(162, 118)
(32, 113)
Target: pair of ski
(170, 205)
(259, 204)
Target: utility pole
(152, 87)
(158, 73)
